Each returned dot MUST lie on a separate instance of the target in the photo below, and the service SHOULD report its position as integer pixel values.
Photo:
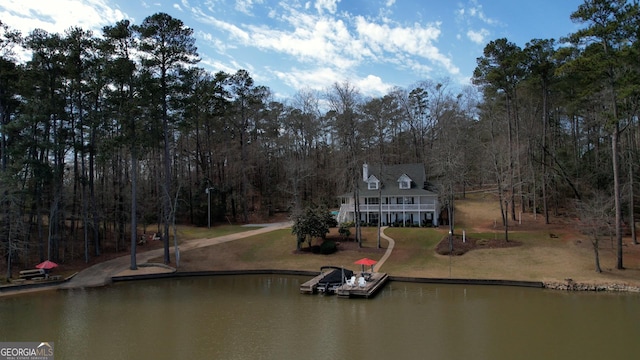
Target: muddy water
(265, 317)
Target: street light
(208, 192)
(449, 218)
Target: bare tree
(596, 220)
(381, 113)
(344, 101)
(606, 38)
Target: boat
(332, 277)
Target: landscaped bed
(462, 245)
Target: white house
(396, 193)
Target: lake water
(265, 317)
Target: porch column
(404, 213)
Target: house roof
(391, 173)
(388, 175)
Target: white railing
(388, 207)
(342, 215)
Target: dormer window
(373, 183)
(404, 182)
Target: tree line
(103, 135)
(563, 119)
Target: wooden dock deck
(374, 284)
(311, 286)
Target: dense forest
(104, 133)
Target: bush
(312, 222)
(344, 231)
(348, 224)
(328, 247)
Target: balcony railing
(389, 207)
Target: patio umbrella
(366, 261)
(47, 265)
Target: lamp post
(208, 192)
(450, 215)
(449, 218)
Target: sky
(293, 45)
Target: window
(372, 201)
(404, 182)
(404, 200)
(373, 183)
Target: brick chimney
(365, 172)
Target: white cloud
(333, 44)
(321, 79)
(245, 6)
(475, 11)
(336, 45)
(308, 38)
(330, 5)
(216, 65)
(398, 41)
(478, 37)
(316, 78)
(322, 40)
(418, 67)
(59, 15)
(372, 85)
(217, 44)
(233, 30)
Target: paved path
(102, 273)
(387, 253)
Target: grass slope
(551, 252)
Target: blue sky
(290, 45)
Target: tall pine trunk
(134, 204)
(616, 194)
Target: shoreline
(116, 269)
(567, 285)
(570, 285)
(550, 285)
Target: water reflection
(253, 317)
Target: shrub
(348, 224)
(328, 247)
(344, 230)
(312, 222)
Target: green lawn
(541, 257)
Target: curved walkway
(102, 273)
(387, 253)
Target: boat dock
(311, 286)
(375, 282)
(368, 289)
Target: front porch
(391, 214)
